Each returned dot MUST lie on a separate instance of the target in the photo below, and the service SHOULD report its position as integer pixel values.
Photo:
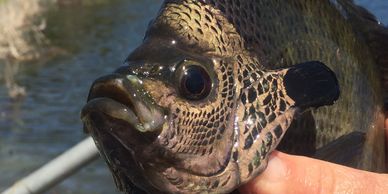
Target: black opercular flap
(311, 84)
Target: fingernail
(276, 170)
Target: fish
(217, 85)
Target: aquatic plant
(22, 36)
(19, 35)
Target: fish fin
(345, 150)
(372, 31)
(300, 137)
(132, 189)
(136, 190)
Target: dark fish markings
(216, 84)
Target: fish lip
(110, 108)
(102, 114)
(97, 121)
(113, 107)
(144, 114)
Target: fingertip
(272, 179)
(277, 168)
(296, 174)
(289, 174)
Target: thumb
(296, 174)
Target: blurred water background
(40, 119)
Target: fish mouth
(119, 99)
(123, 97)
(121, 157)
(125, 123)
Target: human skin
(296, 174)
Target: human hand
(296, 174)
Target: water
(96, 39)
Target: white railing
(56, 170)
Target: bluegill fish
(216, 85)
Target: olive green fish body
(287, 33)
(216, 84)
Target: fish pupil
(195, 83)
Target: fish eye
(195, 82)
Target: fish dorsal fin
(372, 31)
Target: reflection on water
(96, 38)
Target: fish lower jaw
(105, 115)
(115, 110)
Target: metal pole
(56, 170)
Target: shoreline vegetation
(23, 39)
(19, 32)
(19, 39)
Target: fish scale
(271, 72)
(315, 34)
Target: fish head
(193, 110)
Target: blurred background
(50, 52)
